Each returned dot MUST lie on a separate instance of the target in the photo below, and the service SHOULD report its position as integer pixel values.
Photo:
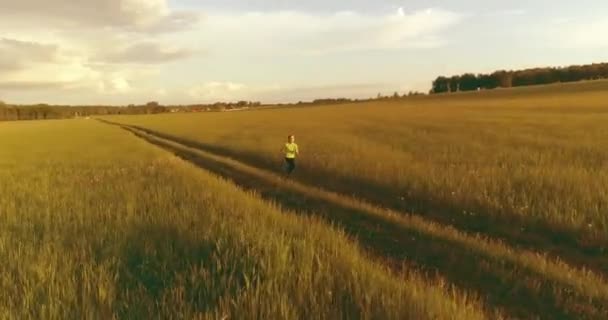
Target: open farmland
(99, 224)
(467, 206)
(526, 165)
(502, 193)
(303, 160)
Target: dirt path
(518, 283)
(549, 240)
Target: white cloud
(135, 15)
(39, 65)
(578, 34)
(146, 53)
(306, 33)
(230, 91)
(115, 49)
(505, 13)
(30, 85)
(114, 85)
(87, 45)
(212, 91)
(16, 54)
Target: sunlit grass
(532, 159)
(523, 283)
(99, 224)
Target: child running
(291, 151)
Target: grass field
(467, 206)
(504, 175)
(525, 165)
(99, 224)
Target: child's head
(291, 138)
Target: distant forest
(519, 78)
(465, 82)
(46, 112)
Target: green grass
(99, 224)
(525, 165)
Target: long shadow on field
(157, 278)
(513, 289)
(567, 244)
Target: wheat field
(483, 205)
(97, 224)
(534, 158)
(523, 170)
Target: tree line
(10, 112)
(442, 84)
(518, 78)
(379, 97)
(47, 112)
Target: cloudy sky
(186, 51)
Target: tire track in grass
(554, 240)
(519, 283)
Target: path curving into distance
(517, 282)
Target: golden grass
(98, 224)
(527, 166)
(535, 285)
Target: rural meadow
(461, 206)
(176, 159)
